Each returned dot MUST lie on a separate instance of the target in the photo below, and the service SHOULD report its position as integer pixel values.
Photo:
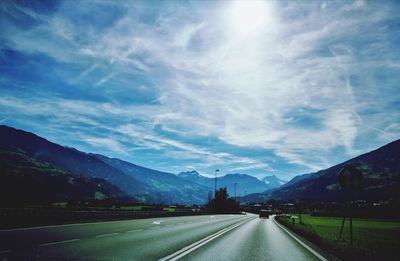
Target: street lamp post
(234, 189)
(215, 191)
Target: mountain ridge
(381, 172)
(142, 188)
(167, 184)
(25, 180)
(70, 159)
(273, 181)
(245, 183)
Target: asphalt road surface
(219, 237)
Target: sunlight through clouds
(249, 18)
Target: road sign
(349, 179)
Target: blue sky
(261, 88)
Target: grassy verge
(372, 239)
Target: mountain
(381, 172)
(25, 180)
(68, 159)
(194, 176)
(245, 183)
(273, 181)
(143, 184)
(297, 179)
(166, 186)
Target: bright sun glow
(249, 17)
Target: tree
(222, 203)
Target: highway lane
(258, 239)
(238, 237)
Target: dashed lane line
(59, 242)
(107, 235)
(135, 230)
(152, 228)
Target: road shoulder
(315, 250)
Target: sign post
(350, 180)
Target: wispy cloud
(109, 144)
(4, 119)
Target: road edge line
(301, 241)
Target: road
(219, 237)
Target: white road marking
(135, 230)
(65, 225)
(74, 224)
(315, 253)
(59, 242)
(107, 235)
(192, 247)
(78, 224)
(5, 251)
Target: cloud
(182, 150)
(110, 144)
(4, 119)
(319, 78)
(123, 139)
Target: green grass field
(372, 239)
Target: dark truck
(264, 213)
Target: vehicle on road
(264, 213)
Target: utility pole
(245, 192)
(215, 191)
(234, 189)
